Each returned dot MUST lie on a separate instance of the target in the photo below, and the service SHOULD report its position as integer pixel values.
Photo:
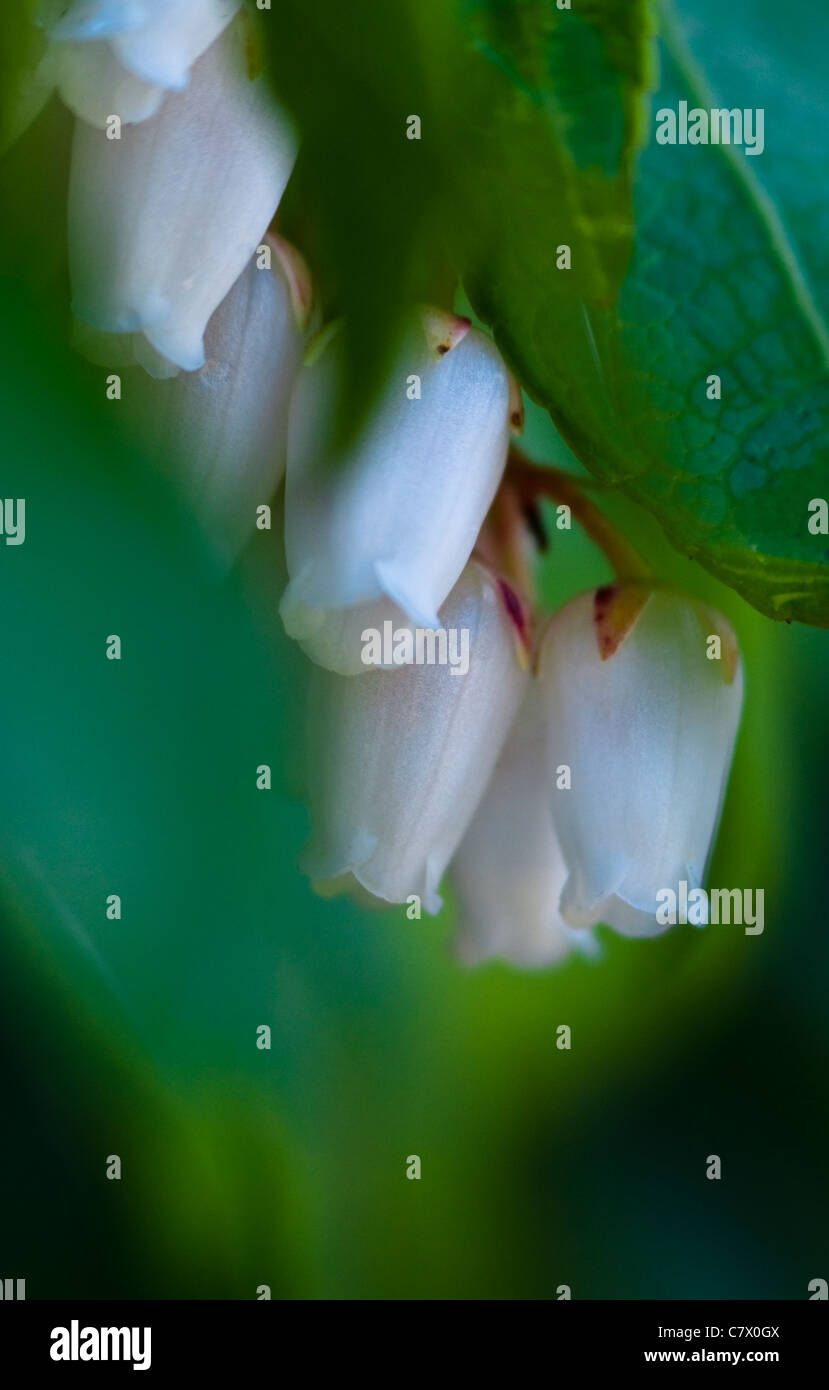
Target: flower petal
(396, 513)
(164, 50)
(164, 220)
(334, 637)
(95, 86)
(403, 757)
(98, 19)
(647, 733)
(223, 427)
(508, 872)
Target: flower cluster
(180, 158)
(570, 769)
(578, 767)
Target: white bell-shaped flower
(393, 517)
(350, 641)
(643, 690)
(222, 429)
(508, 872)
(163, 220)
(119, 57)
(402, 757)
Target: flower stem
(530, 481)
(502, 543)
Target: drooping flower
(643, 709)
(508, 872)
(403, 757)
(119, 57)
(223, 428)
(391, 519)
(163, 220)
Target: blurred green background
(287, 1167)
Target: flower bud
(223, 428)
(643, 709)
(403, 756)
(163, 220)
(392, 517)
(508, 872)
(117, 57)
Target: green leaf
(528, 118)
(368, 206)
(726, 265)
(24, 90)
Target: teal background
(287, 1167)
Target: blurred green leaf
(528, 119)
(366, 204)
(722, 282)
(22, 90)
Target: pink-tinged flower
(391, 519)
(508, 872)
(119, 57)
(223, 428)
(163, 220)
(643, 709)
(403, 757)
